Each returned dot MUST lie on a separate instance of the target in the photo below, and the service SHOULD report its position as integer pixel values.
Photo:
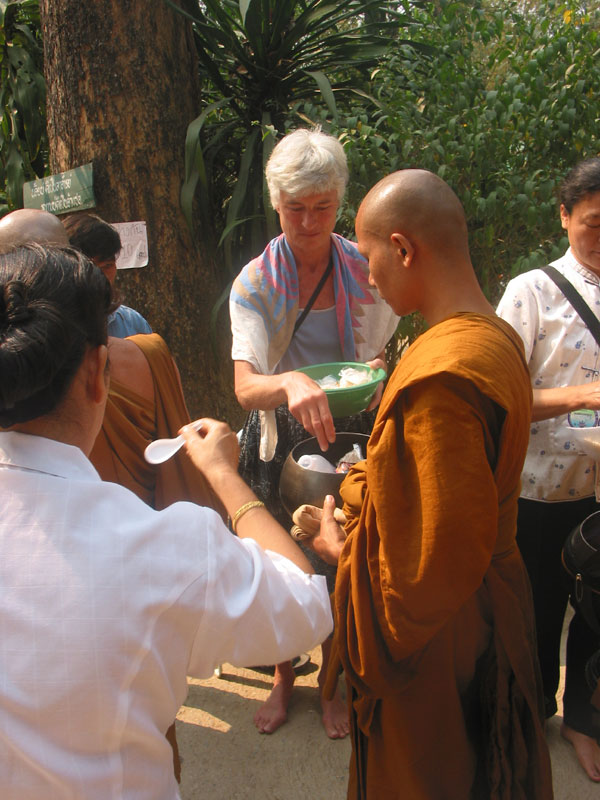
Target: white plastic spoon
(162, 449)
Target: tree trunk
(122, 87)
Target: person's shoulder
(566, 262)
(480, 349)
(527, 280)
(129, 366)
(182, 527)
(462, 338)
(348, 247)
(250, 280)
(527, 290)
(135, 319)
(126, 321)
(269, 255)
(150, 344)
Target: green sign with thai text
(68, 191)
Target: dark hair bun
(53, 304)
(17, 309)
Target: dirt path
(225, 758)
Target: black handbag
(581, 559)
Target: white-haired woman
(305, 300)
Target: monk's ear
(404, 248)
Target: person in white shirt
(560, 484)
(105, 603)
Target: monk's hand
(213, 448)
(328, 543)
(376, 363)
(307, 402)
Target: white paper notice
(134, 244)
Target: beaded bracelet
(242, 510)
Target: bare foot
(335, 717)
(273, 712)
(586, 750)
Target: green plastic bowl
(350, 400)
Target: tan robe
(434, 619)
(131, 422)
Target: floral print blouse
(560, 351)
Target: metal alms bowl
(298, 485)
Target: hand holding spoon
(162, 449)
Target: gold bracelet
(242, 510)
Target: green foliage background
(23, 141)
(498, 98)
(258, 59)
(506, 107)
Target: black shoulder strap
(314, 295)
(576, 300)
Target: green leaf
(223, 297)
(239, 192)
(326, 90)
(195, 170)
(244, 6)
(233, 225)
(15, 177)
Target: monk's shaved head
(412, 229)
(29, 225)
(418, 204)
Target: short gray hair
(306, 162)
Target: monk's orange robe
(434, 618)
(131, 422)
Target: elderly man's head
(28, 225)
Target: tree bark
(122, 87)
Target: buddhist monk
(26, 225)
(434, 619)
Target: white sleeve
(519, 308)
(249, 337)
(258, 608)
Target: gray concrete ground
(225, 758)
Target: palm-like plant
(23, 141)
(259, 58)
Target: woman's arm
(548, 403)
(254, 390)
(305, 400)
(214, 451)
